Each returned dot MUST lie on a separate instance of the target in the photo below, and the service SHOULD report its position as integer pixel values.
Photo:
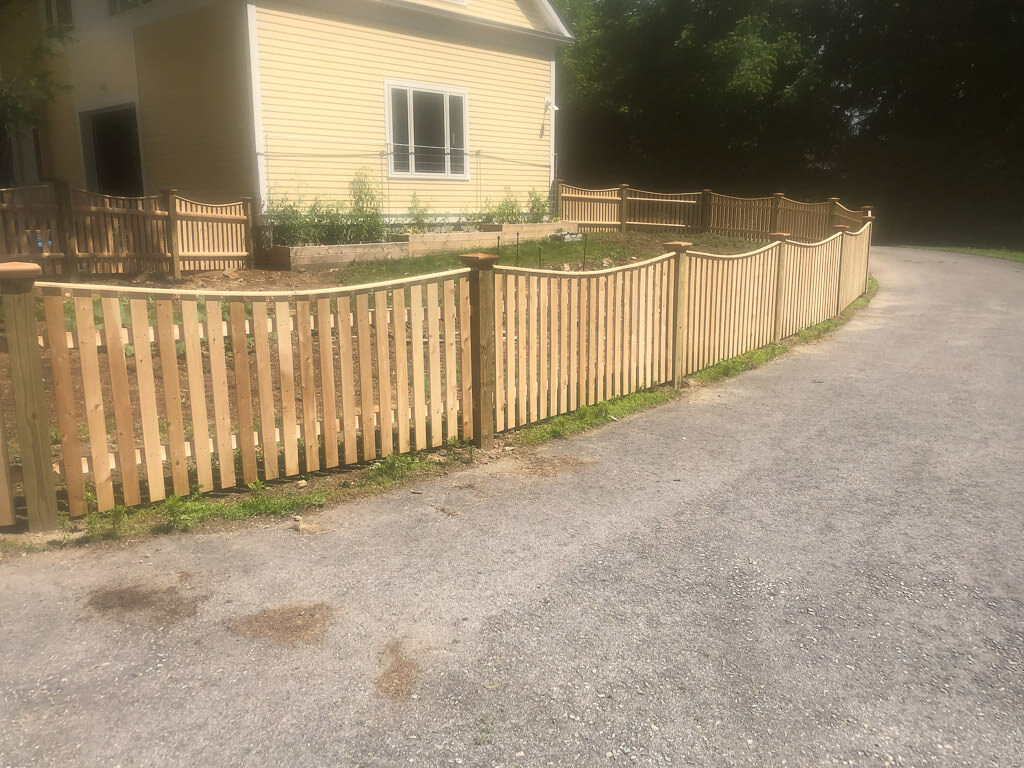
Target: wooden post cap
(840, 227)
(19, 270)
(677, 246)
(778, 235)
(833, 199)
(479, 260)
(778, 194)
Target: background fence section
(159, 393)
(114, 235)
(751, 218)
(28, 220)
(72, 231)
(565, 339)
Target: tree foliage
(911, 105)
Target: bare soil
(286, 626)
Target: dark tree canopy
(915, 106)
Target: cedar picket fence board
(150, 393)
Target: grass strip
(185, 513)
(758, 357)
(590, 416)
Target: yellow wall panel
(521, 14)
(322, 106)
(195, 114)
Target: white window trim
(432, 88)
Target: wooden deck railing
(72, 231)
(753, 218)
(126, 395)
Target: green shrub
(324, 223)
(538, 208)
(418, 219)
(367, 216)
(507, 211)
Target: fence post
(680, 303)
(868, 218)
(833, 212)
(780, 239)
(841, 228)
(67, 237)
(250, 240)
(481, 325)
(173, 245)
(623, 202)
(705, 210)
(19, 312)
(773, 224)
(556, 200)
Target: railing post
(833, 212)
(869, 219)
(481, 325)
(841, 228)
(67, 237)
(705, 210)
(780, 239)
(19, 313)
(173, 245)
(680, 301)
(623, 202)
(773, 225)
(250, 223)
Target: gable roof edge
(547, 10)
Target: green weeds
(590, 416)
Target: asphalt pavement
(816, 563)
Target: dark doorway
(111, 142)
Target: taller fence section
(72, 231)
(752, 218)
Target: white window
(426, 131)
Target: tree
(27, 80)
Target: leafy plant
(507, 211)
(538, 211)
(419, 218)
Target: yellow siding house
(450, 100)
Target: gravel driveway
(815, 563)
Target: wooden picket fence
(72, 231)
(753, 218)
(148, 393)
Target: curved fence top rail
(790, 200)
(210, 205)
(815, 244)
(587, 273)
(732, 256)
(102, 196)
(81, 289)
(577, 190)
(742, 199)
(656, 195)
(31, 188)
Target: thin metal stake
(584, 251)
(540, 260)
(517, 249)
